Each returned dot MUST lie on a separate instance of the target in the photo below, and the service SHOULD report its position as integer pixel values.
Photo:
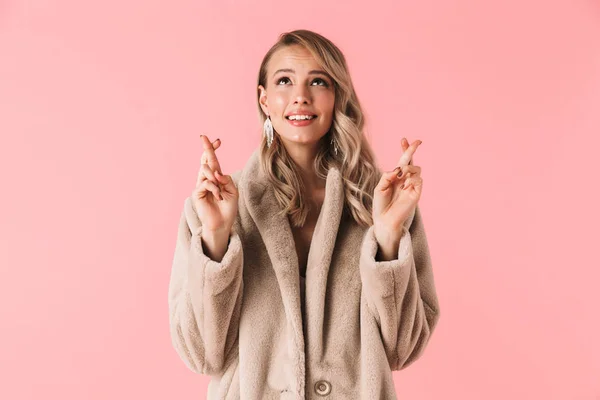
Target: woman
(307, 273)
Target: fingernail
(399, 174)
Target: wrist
(217, 232)
(386, 236)
(387, 244)
(215, 242)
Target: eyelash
(325, 84)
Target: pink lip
(301, 123)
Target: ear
(262, 99)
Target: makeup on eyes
(325, 83)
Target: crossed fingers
(406, 158)
(209, 163)
(208, 156)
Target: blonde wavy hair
(355, 159)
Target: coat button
(322, 388)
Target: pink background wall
(101, 108)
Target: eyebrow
(313, 72)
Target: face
(299, 88)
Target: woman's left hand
(395, 198)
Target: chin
(302, 137)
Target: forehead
(295, 57)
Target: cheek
(278, 102)
(326, 103)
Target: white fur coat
(241, 321)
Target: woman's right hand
(215, 196)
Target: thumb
(224, 180)
(387, 178)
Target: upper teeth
(301, 117)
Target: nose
(301, 94)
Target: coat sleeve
(204, 298)
(401, 293)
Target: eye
(321, 80)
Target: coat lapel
(320, 257)
(277, 236)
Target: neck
(304, 157)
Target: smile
(302, 121)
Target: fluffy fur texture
(241, 321)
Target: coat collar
(276, 233)
(275, 230)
